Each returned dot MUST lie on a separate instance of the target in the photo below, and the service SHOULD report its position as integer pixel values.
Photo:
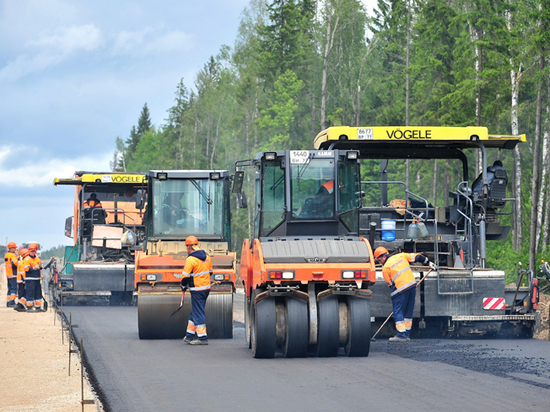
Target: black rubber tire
(263, 333)
(328, 327)
(359, 327)
(219, 316)
(297, 329)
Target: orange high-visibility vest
(21, 270)
(10, 260)
(31, 262)
(329, 186)
(199, 270)
(397, 271)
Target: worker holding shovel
(196, 277)
(400, 278)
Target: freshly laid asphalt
(130, 374)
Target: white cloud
(150, 41)
(67, 40)
(34, 171)
(52, 49)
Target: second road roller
(183, 203)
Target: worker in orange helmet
(10, 261)
(196, 277)
(33, 288)
(22, 300)
(400, 278)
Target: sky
(74, 76)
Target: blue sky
(74, 75)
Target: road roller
(183, 203)
(306, 271)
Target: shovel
(181, 303)
(391, 314)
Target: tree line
(299, 66)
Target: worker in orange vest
(10, 261)
(400, 278)
(196, 277)
(22, 301)
(92, 202)
(33, 288)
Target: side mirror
(238, 182)
(69, 227)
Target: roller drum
(155, 320)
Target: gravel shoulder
(34, 363)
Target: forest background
(299, 66)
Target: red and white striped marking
(493, 303)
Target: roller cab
(184, 203)
(306, 271)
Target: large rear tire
(359, 327)
(297, 329)
(328, 326)
(263, 333)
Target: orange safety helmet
(33, 247)
(191, 241)
(379, 251)
(24, 252)
(12, 245)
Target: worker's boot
(10, 304)
(20, 307)
(408, 334)
(198, 342)
(187, 340)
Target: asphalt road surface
(435, 375)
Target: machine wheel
(359, 331)
(263, 332)
(328, 341)
(297, 331)
(219, 316)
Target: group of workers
(23, 275)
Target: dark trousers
(197, 318)
(21, 293)
(12, 289)
(33, 291)
(403, 307)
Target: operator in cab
(400, 278)
(196, 277)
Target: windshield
(312, 186)
(184, 207)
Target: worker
(490, 175)
(33, 288)
(93, 211)
(196, 277)
(172, 211)
(10, 262)
(400, 278)
(92, 202)
(322, 205)
(21, 305)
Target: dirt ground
(34, 363)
